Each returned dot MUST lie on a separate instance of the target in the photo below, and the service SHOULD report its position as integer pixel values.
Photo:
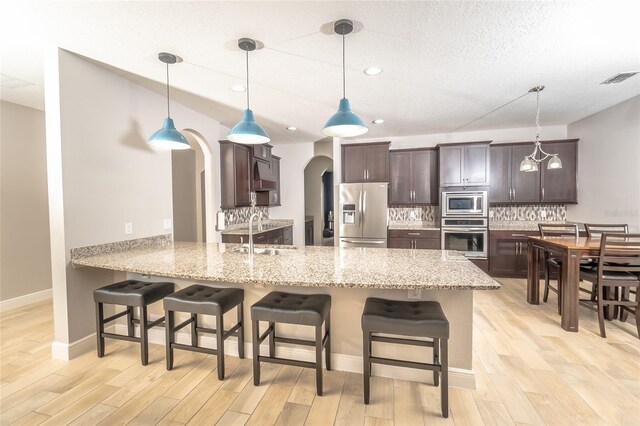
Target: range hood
(262, 177)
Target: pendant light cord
(344, 79)
(538, 128)
(247, 53)
(168, 110)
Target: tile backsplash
(423, 213)
(242, 214)
(552, 212)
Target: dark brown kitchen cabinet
(280, 236)
(413, 177)
(365, 162)
(272, 197)
(511, 186)
(508, 253)
(262, 152)
(308, 232)
(560, 185)
(287, 235)
(464, 164)
(508, 183)
(414, 239)
(235, 174)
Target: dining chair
(555, 230)
(595, 230)
(618, 271)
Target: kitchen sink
(268, 251)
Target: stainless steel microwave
(465, 203)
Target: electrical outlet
(543, 214)
(490, 214)
(128, 228)
(167, 224)
(414, 293)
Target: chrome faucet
(253, 216)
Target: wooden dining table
(570, 250)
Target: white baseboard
(68, 351)
(458, 377)
(27, 299)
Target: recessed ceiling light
(238, 88)
(292, 128)
(373, 71)
(378, 121)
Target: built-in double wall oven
(464, 222)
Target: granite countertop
(413, 225)
(301, 266)
(267, 225)
(523, 225)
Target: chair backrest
(597, 229)
(619, 252)
(559, 230)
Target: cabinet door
(451, 166)
(401, 243)
(500, 189)
(274, 196)
(502, 256)
(400, 178)
(430, 244)
(287, 235)
(525, 185)
(354, 163)
(377, 163)
(425, 177)
(262, 152)
(242, 160)
(476, 165)
(560, 185)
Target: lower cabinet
(418, 239)
(308, 233)
(280, 236)
(508, 253)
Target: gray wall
(25, 257)
(608, 172)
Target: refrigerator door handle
(360, 207)
(364, 206)
(364, 242)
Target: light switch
(128, 228)
(167, 224)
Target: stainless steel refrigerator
(363, 214)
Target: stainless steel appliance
(363, 214)
(468, 235)
(464, 222)
(465, 203)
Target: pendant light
(168, 137)
(530, 162)
(247, 131)
(344, 123)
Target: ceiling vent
(619, 78)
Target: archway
(193, 189)
(318, 197)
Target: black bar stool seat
(407, 318)
(204, 300)
(132, 294)
(302, 309)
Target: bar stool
(418, 319)
(132, 294)
(302, 309)
(204, 300)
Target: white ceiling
(445, 64)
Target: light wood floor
(529, 371)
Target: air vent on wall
(619, 78)
(10, 82)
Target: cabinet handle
(518, 235)
(543, 193)
(364, 174)
(414, 233)
(367, 174)
(509, 193)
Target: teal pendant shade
(247, 131)
(168, 137)
(344, 123)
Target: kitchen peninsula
(349, 275)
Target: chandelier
(530, 162)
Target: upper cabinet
(413, 177)
(464, 164)
(365, 162)
(511, 186)
(235, 174)
(271, 198)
